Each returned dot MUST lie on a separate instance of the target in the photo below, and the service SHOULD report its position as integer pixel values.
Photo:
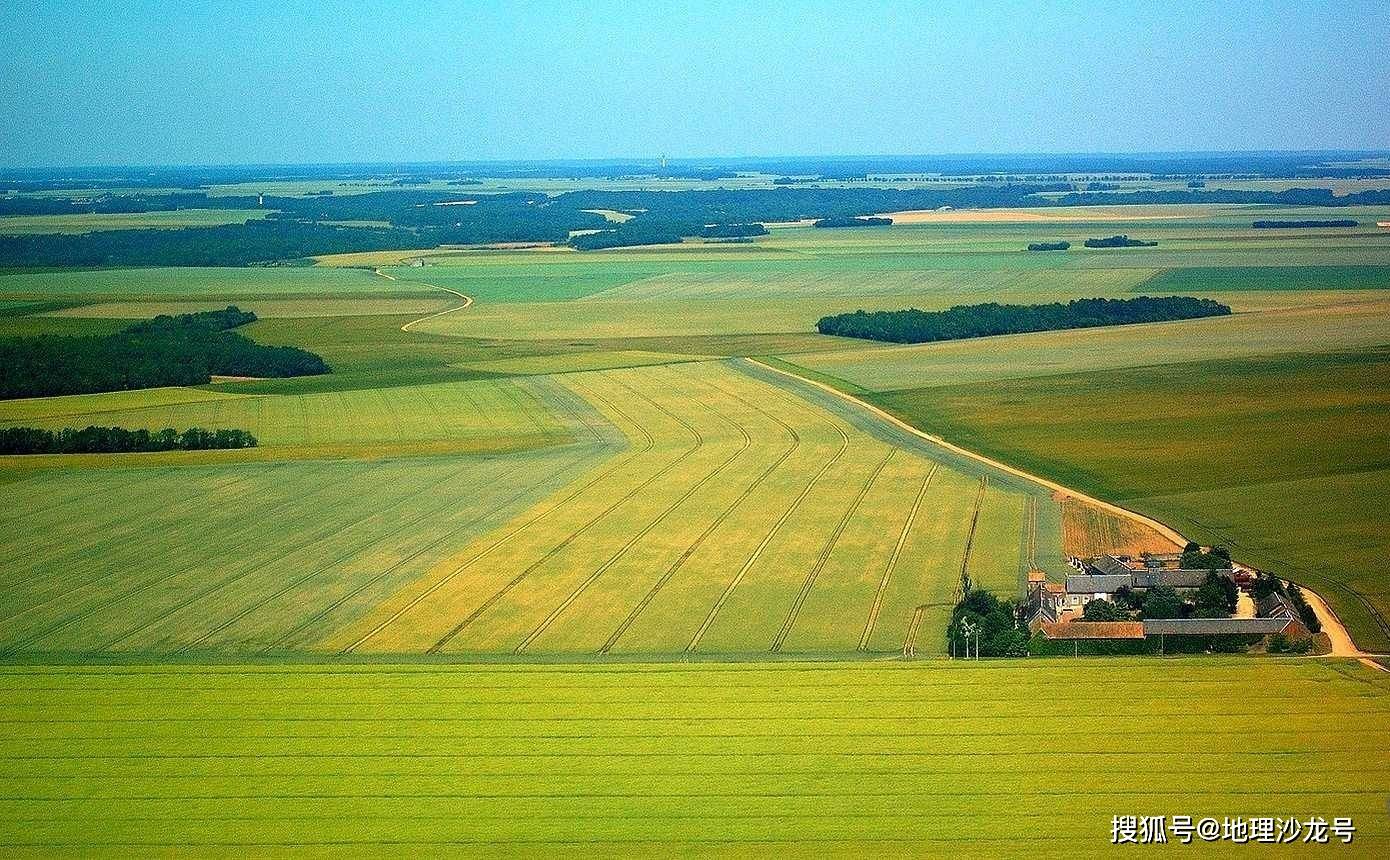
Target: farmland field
(582, 488)
(717, 508)
(661, 759)
(737, 518)
(89, 222)
(1280, 457)
(421, 433)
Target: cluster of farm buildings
(1056, 609)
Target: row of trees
(853, 222)
(1049, 246)
(109, 440)
(185, 350)
(964, 321)
(1120, 241)
(732, 231)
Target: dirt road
(1342, 644)
(467, 301)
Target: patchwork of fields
(499, 575)
(987, 759)
(714, 510)
(736, 517)
(478, 415)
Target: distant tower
(260, 199)
(663, 161)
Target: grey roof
(1275, 605)
(1085, 583)
(1108, 565)
(1181, 578)
(1041, 610)
(1184, 578)
(1214, 626)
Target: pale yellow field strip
(264, 308)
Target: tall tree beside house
(1101, 609)
(1217, 597)
(1162, 602)
(999, 635)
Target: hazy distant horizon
(673, 160)
(138, 83)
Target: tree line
(118, 440)
(184, 350)
(853, 222)
(1120, 241)
(982, 320)
(732, 231)
(1048, 246)
(302, 227)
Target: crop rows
(664, 758)
(478, 410)
(740, 519)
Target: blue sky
(251, 82)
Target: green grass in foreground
(1286, 459)
(993, 759)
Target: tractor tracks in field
(772, 533)
(572, 536)
(746, 442)
(893, 561)
(466, 301)
(825, 552)
(525, 491)
(974, 524)
(647, 445)
(699, 541)
(80, 615)
(1168, 532)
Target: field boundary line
(710, 529)
(772, 533)
(643, 532)
(617, 463)
(830, 543)
(467, 300)
(550, 553)
(893, 561)
(1328, 619)
(1165, 530)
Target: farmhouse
(1105, 575)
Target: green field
(198, 284)
(90, 222)
(998, 759)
